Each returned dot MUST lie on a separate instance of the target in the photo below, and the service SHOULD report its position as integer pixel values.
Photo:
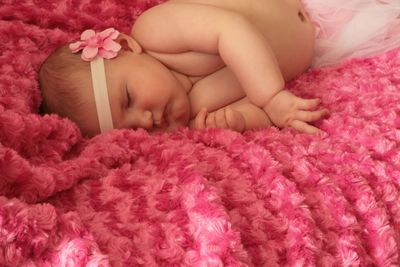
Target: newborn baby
(197, 63)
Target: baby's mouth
(161, 122)
(164, 120)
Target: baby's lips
(160, 123)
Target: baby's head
(138, 91)
(67, 88)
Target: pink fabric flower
(94, 44)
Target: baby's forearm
(254, 116)
(253, 62)
(239, 116)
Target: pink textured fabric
(193, 198)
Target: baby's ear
(129, 44)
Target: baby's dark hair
(63, 77)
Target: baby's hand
(225, 118)
(287, 110)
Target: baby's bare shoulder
(191, 8)
(165, 24)
(180, 26)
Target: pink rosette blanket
(193, 198)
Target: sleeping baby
(196, 63)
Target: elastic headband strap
(101, 94)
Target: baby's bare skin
(282, 22)
(209, 63)
(216, 75)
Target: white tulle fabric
(353, 28)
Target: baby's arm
(239, 116)
(243, 115)
(181, 27)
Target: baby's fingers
(310, 116)
(210, 121)
(303, 127)
(200, 120)
(220, 119)
(235, 120)
(308, 104)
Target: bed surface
(194, 198)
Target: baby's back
(283, 23)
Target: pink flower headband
(94, 44)
(95, 47)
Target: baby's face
(143, 93)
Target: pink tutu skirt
(353, 28)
